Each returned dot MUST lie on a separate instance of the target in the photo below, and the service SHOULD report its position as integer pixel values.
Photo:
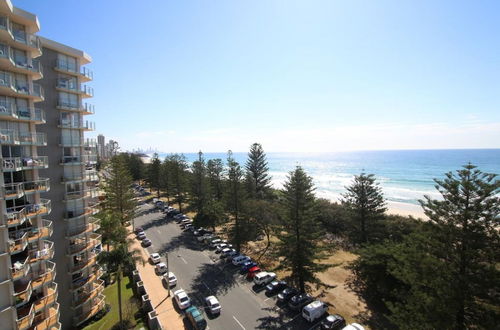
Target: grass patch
(129, 308)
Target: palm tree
(120, 260)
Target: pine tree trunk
(120, 296)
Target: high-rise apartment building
(73, 194)
(48, 184)
(101, 145)
(28, 293)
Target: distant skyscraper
(101, 145)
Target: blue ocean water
(404, 175)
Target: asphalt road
(200, 273)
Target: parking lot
(201, 273)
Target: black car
(275, 287)
(297, 302)
(334, 321)
(286, 294)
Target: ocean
(404, 175)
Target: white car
(354, 326)
(171, 279)
(213, 305)
(161, 268)
(263, 278)
(182, 299)
(221, 247)
(155, 258)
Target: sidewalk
(169, 318)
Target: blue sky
(293, 75)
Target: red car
(252, 271)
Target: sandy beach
(405, 209)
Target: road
(200, 273)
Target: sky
(183, 76)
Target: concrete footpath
(169, 318)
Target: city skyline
(306, 76)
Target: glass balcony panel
(39, 139)
(11, 164)
(43, 277)
(18, 241)
(25, 316)
(46, 253)
(41, 185)
(35, 162)
(13, 190)
(9, 136)
(20, 268)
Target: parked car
(155, 258)
(182, 299)
(314, 310)
(252, 272)
(141, 235)
(224, 252)
(137, 230)
(215, 242)
(246, 266)
(213, 305)
(202, 231)
(161, 268)
(221, 247)
(297, 302)
(287, 294)
(184, 224)
(205, 237)
(333, 322)
(196, 318)
(188, 226)
(229, 254)
(354, 326)
(263, 278)
(146, 242)
(240, 260)
(171, 279)
(275, 287)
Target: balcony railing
(85, 108)
(83, 125)
(22, 292)
(25, 316)
(44, 254)
(43, 277)
(15, 216)
(20, 268)
(13, 190)
(23, 38)
(79, 160)
(47, 300)
(41, 322)
(80, 282)
(10, 164)
(18, 242)
(41, 185)
(39, 139)
(97, 304)
(84, 73)
(11, 110)
(88, 294)
(83, 244)
(15, 88)
(42, 208)
(88, 259)
(9, 136)
(43, 232)
(81, 230)
(76, 214)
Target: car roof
(254, 268)
(212, 300)
(155, 254)
(314, 304)
(161, 264)
(170, 274)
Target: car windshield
(184, 299)
(216, 305)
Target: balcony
(84, 74)
(78, 214)
(24, 65)
(20, 268)
(13, 190)
(37, 139)
(82, 281)
(43, 232)
(25, 316)
(84, 91)
(22, 292)
(83, 229)
(18, 241)
(87, 260)
(41, 185)
(97, 305)
(10, 111)
(43, 208)
(84, 108)
(9, 136)
(23, 40)
(44, 254)
(48, 321)
(79, 160)
(81, 125)
(48, 300)
(44, 277)
(88, 294)
(14, 164)
(84, 244)
(11, 87)
(11, 164)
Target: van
(263, 278)
(314, 310)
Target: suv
(314, 310)
(196, 318)
(297, 302)
(263, 278)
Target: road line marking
(206, 286)
(183, 260)
(159, 232)
(267, 299)
(239, 323)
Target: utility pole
(168, 276)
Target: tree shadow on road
(184, 239)
(211, 280)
